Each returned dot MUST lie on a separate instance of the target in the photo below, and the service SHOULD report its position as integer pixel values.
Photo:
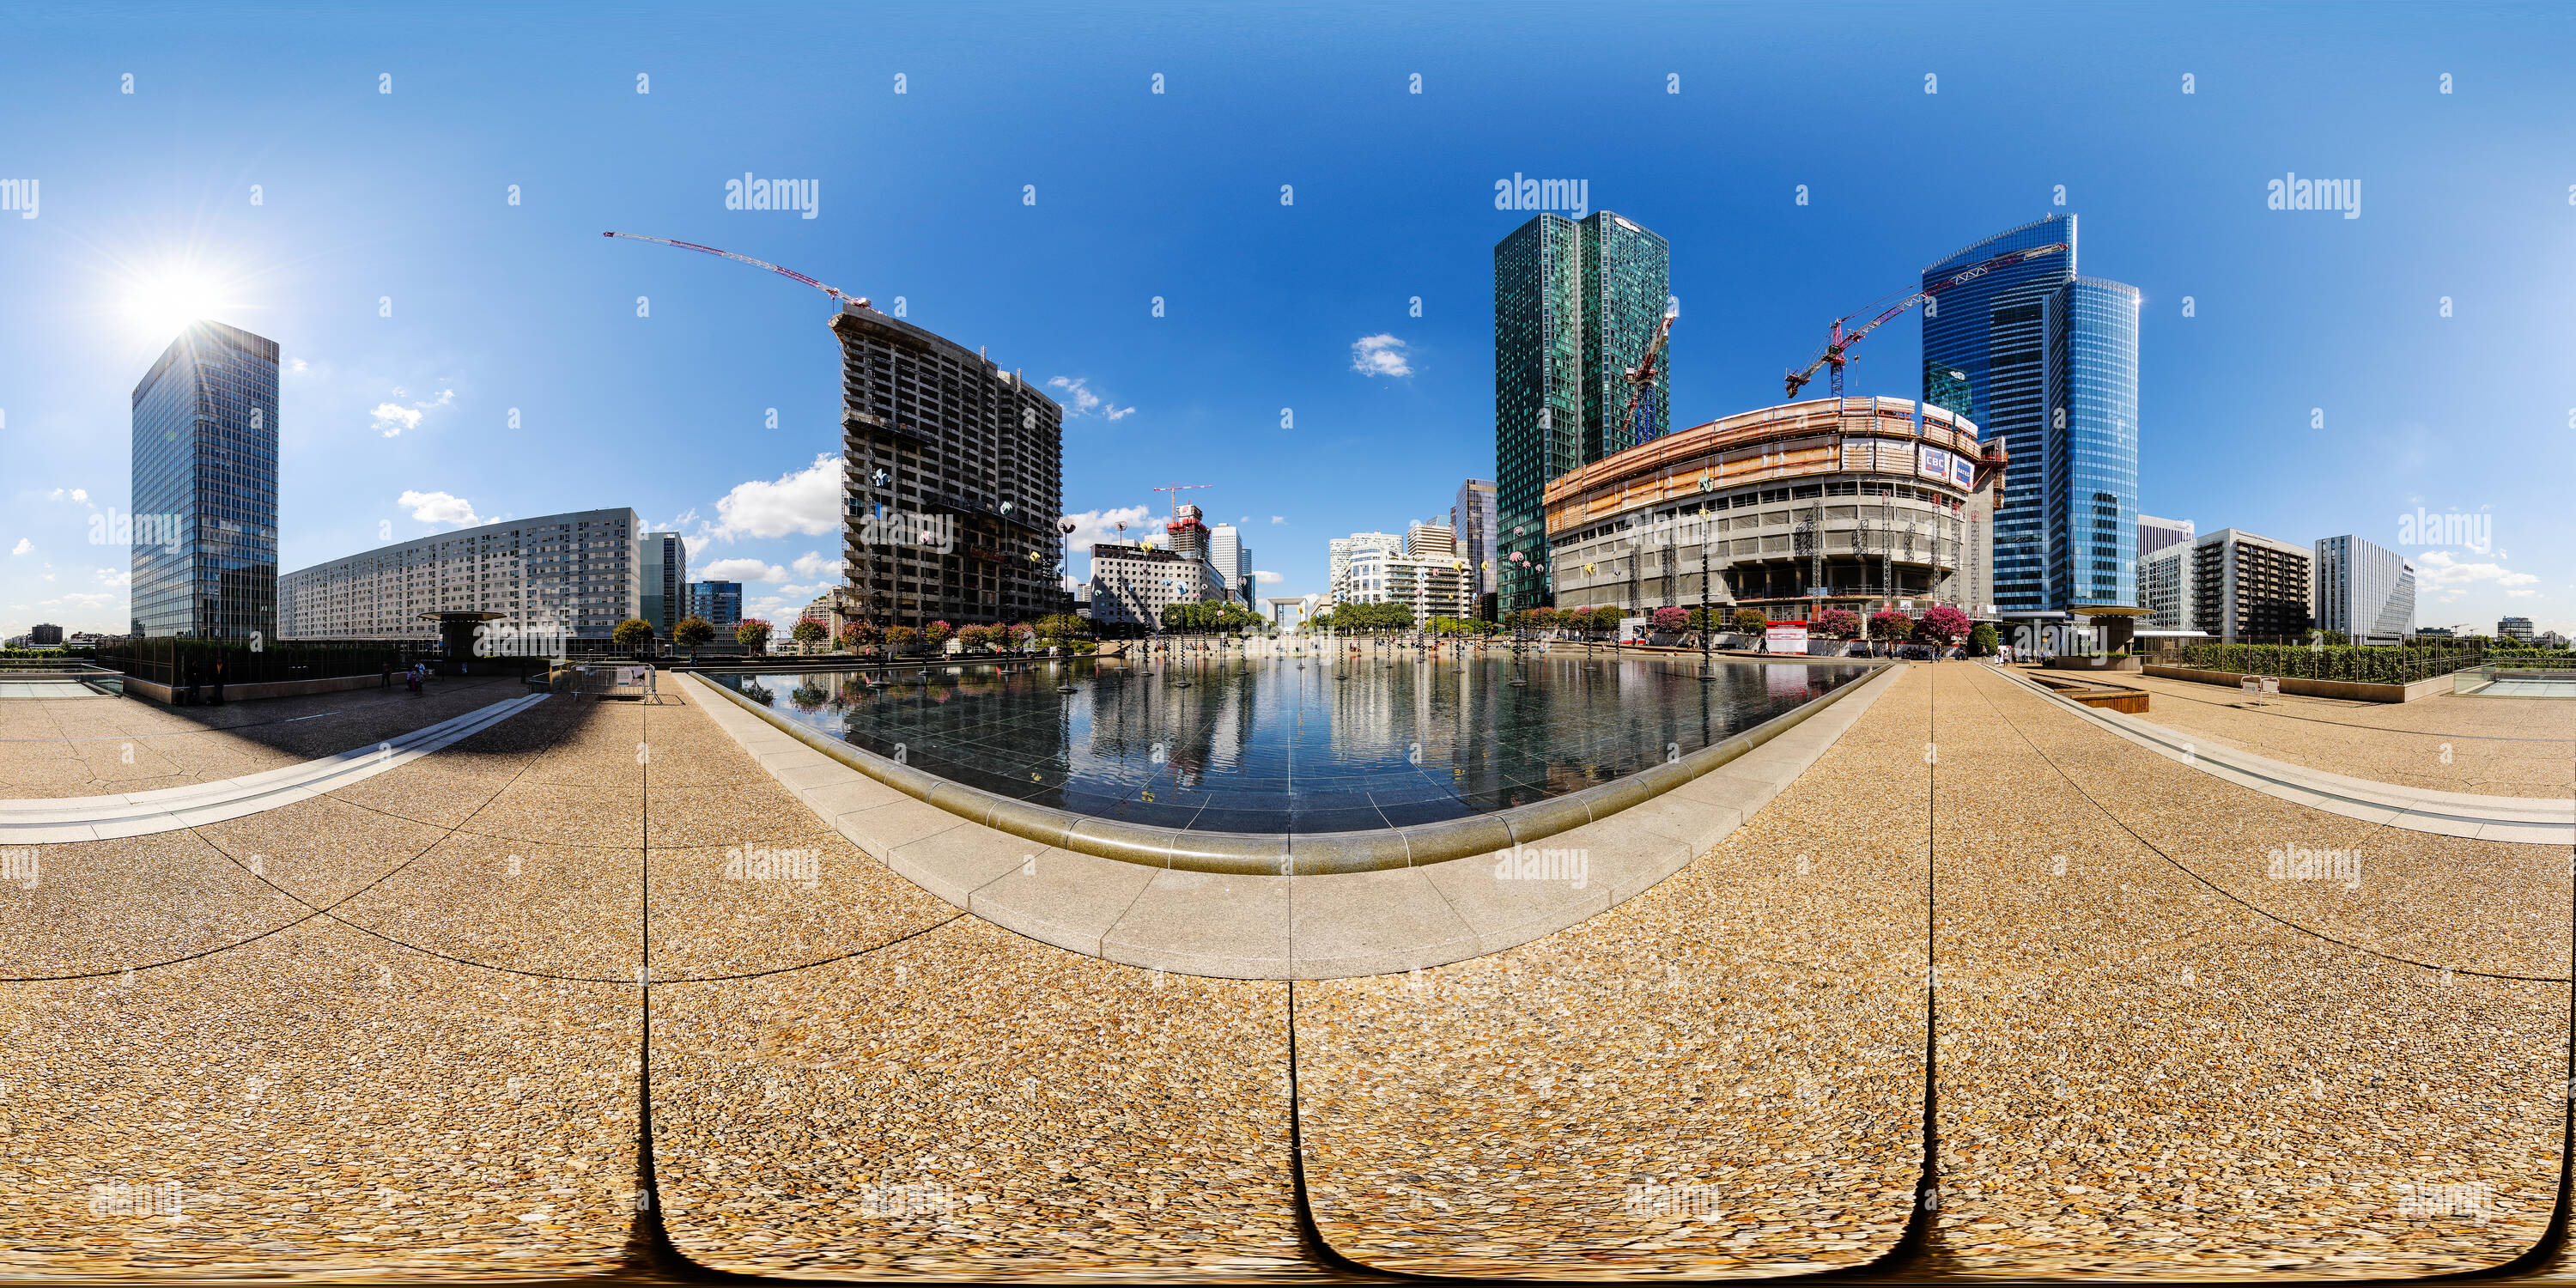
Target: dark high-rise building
(205, 488)
(2046, 362)
(1471, 516)
(1575, 307)
(664, 559)
(718, 603)
(953, 482)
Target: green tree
(692, 632)
(1982, 640)
(633, 635)
(809, 632)
(752, 633)
(1062, 626)
(1750, 621)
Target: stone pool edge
(1334, 926)
(1319, 854)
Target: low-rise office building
(577, 573)
(2249, 589)
(719, 603)
(2363, 590)
(1432, 586)
(1132, 585)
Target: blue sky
(368, 196)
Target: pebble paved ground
(1723, 1076)
(408, 1039)
(2143, 1073)
(2483, 746)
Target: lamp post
(1707, 619)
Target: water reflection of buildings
(1133, 711)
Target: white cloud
(813, 564)
(1267, 578)
(741, 570)
(1092, 527)
(23, 546)
(2520, 594)
(805, 501)
(79, 599)
(438, 507)
(1087, 403)
(392, 420)
(1380, 355)
(75, 494)
(800, 594)
(773, 609)
(116, 576)
(296, 367)
(2441, 568)
(1278, 518)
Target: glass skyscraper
(205, 488)
(1575, 306)
(2046, 362)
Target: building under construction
(953, 480)
(1859, 503)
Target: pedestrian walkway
(96, 818)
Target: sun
(160, 305)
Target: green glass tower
(1575, 307)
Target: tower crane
(834, 292)
(1838, 342)
(1175, 498)
(1637, 420)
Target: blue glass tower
(205, 488)
(2047, 364)
(2090, 494)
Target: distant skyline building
(2165, 588)
(1429, 540)
(2155, 534)
(1340, 550)
(2517, 629)
(2363, 590)
(579, 573)
(204, 498)
(1187, 533)
(1575, 306)
(952, 478)
(2249, 589)
(2046, 362)
(1232, 560)
(665, 564)
(1471, 516)
(1432, 585)
(718, 603)
(45, 635)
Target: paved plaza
(437, 1021)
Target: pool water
(1282, 744)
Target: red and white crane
(1838, 342)
(834, 292)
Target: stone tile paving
(2483, 746)
(2140, 1075)
(1723, 1076)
